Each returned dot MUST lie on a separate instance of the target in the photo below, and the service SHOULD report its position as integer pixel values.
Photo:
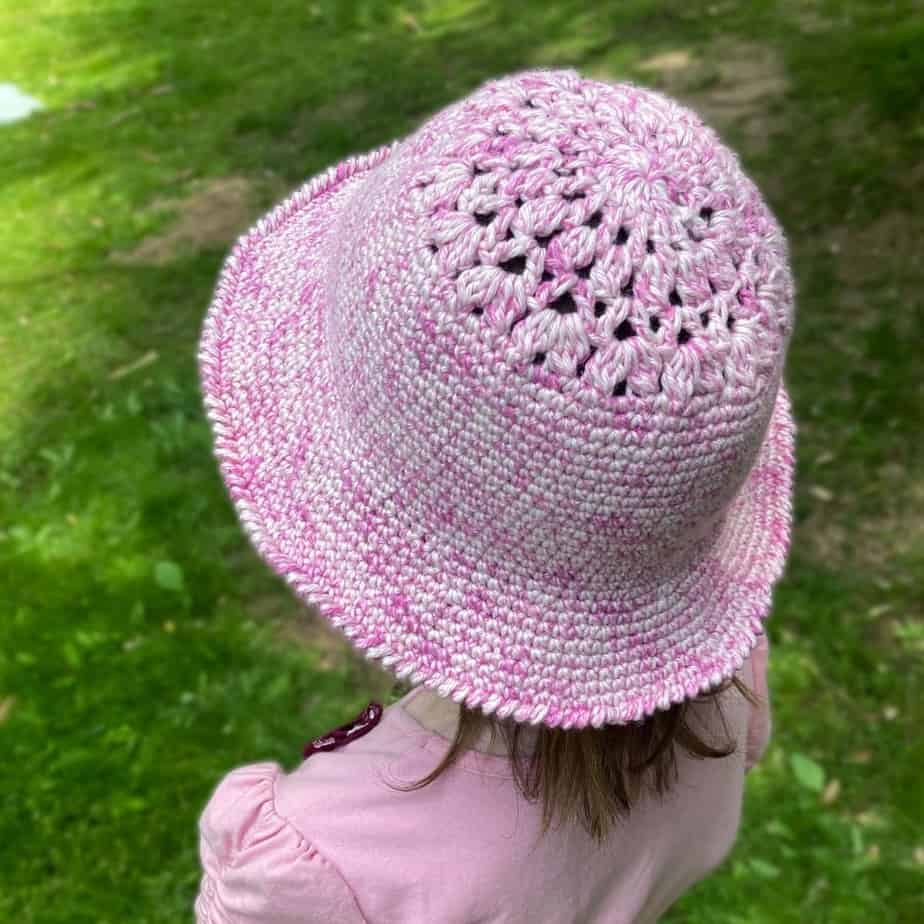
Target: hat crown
(578, 265)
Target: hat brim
(286, 463)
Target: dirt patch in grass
(869, 251)
(914, 178)
(808, 17)
(836, 535)
(304, 626)
(213, 216)
(749, 77)
(731, 85)
(669, 62)
(347, 105)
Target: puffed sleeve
(257, 868)
(760, 723)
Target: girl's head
(504, 400)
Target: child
(504, 400)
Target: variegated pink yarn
(504, 400)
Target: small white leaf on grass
(831, 792)
(821, 493)
(890, 713)
(14, 104)
(6, 705)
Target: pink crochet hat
(504, 400)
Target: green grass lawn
(145, 651)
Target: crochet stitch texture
(504, 399)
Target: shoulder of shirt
(257, 866)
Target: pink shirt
(330, 843)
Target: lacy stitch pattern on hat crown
(602, 233)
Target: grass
(144, 650)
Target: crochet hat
(504, 400)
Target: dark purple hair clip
(363, 723)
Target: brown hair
(594, 775)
